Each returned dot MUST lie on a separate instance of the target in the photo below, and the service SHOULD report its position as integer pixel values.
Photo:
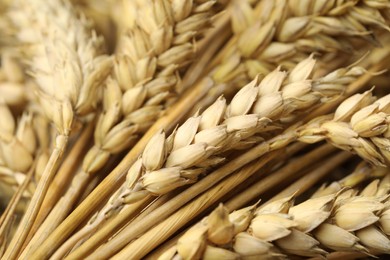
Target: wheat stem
(309, 179)
(37, 199)
(284, 173)
(7, 215)
(65, 173)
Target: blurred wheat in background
(194, 129)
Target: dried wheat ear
(250, 84)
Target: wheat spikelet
(280, 228)
(168, 163)
(19, 144)
(362, 125)
(68, 67)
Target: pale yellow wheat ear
(68, 65)
(144, 83)
(282, 228)
(362, 124)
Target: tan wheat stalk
(68, 67)
(21, 143)
(145, 81)
(220, 127)
(281, 228)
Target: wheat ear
(67, 54)
(281, 228)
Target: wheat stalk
(145, 80)
(281, 228)
(68, 68)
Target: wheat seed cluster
(194, 129)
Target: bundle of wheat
(111, 144)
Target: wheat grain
(18, 145)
